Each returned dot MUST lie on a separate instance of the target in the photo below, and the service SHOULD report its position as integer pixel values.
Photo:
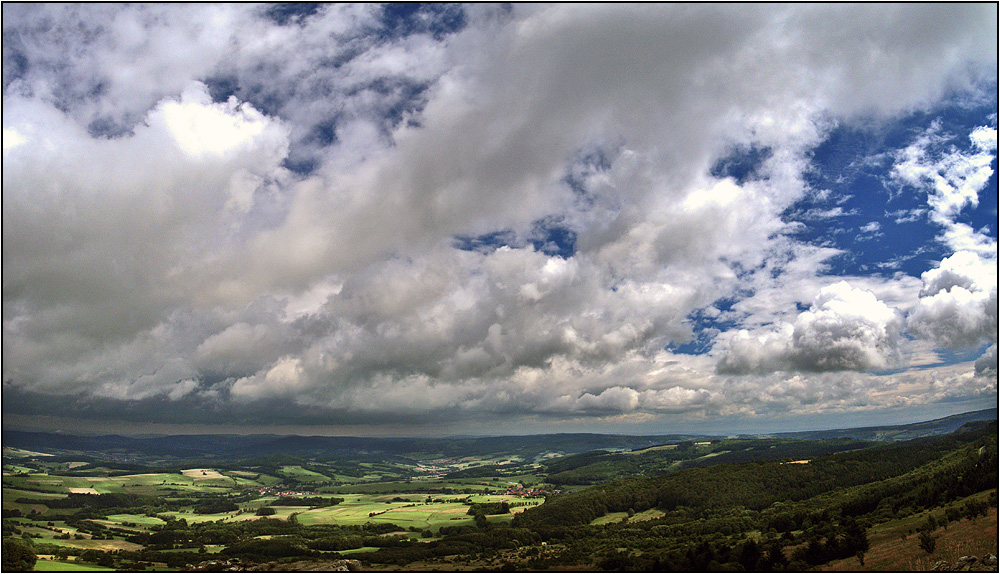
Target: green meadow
(60, 566)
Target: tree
(749, 555)
(18, 556)
(855, 539)
(927, 542)
(106, 560)
(776, 559)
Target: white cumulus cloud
(958, 304)
(846, 328)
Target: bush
(953, 514)
(974, 508)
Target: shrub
(974, 508)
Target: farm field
(38, 495)
(50, 565)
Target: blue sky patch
(406, 18)
(858, 209)
(220, 88)
(285, 13)
(549, 236)
(742, 163)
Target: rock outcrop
(967, 564)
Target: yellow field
(81, 490)
(202, 474)
(612, 517)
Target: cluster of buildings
(518, 490)
(271, 491)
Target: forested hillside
(765, 513)
(921, 472)
(598, 467)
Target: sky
(497, 219)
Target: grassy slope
(894, 544)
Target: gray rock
(965, 563)
(941, 566)
(990, 561)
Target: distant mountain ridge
(934, 427)
(234, 447)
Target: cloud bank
(450, 213)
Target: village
(516, 489)
(273, 491)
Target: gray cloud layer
(159, 242)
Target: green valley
(555, 502)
